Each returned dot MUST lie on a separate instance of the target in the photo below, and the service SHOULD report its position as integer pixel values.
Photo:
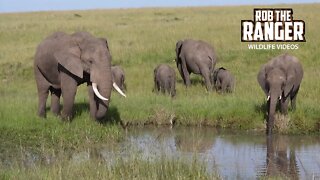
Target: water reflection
(233, 155)
(281, 159)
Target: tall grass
(132, 167)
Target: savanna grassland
(140, 39)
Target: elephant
(62, 62)
(281, 158)
(223, 80)
(195, 56)
(118, 77)
(165, 79)
(280, 79)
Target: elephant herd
(198, 57)
(64, 61)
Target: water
(233, 155)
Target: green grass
(134, 167)
(139, 40)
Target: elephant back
(56, 42)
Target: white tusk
(280, 97)
(268, 97)
(118, 89)
(96, 92)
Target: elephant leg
(284, 105)
(55, 100)
(42, 96)
(69, 89)
(185, 72)
(156, 86)
(206, 76)
(167, 86)
(294, 98)
(224, 86)
(187, 79)
(163, 87)
(92, 102)
(43, 92)
(216, 84)
(172, 88)
(293, 102)
(181, 72)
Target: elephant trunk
(272, 103)
(104, 86)
(102, 105)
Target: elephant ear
(289, 82)
(70, 62)
(178, 48)
(262, 75)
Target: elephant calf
(223, 80)
(165, 79)
(118, 77)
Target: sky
(49, 5)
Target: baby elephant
(223, 80)
(118, 77)
(165, 79)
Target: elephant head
(90, 61)
(280, 80)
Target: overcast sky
(45, 5)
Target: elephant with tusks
(280, 79)
(62, 62)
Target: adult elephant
(62, 62)
(195, 56)
(280, 79)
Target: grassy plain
(142, 38)
(139, 40)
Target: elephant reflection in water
(280, 160)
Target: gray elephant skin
(195, 56)
(62, 62)
(280, 79)
(223, 80)
(165, 79)
(118, 77)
